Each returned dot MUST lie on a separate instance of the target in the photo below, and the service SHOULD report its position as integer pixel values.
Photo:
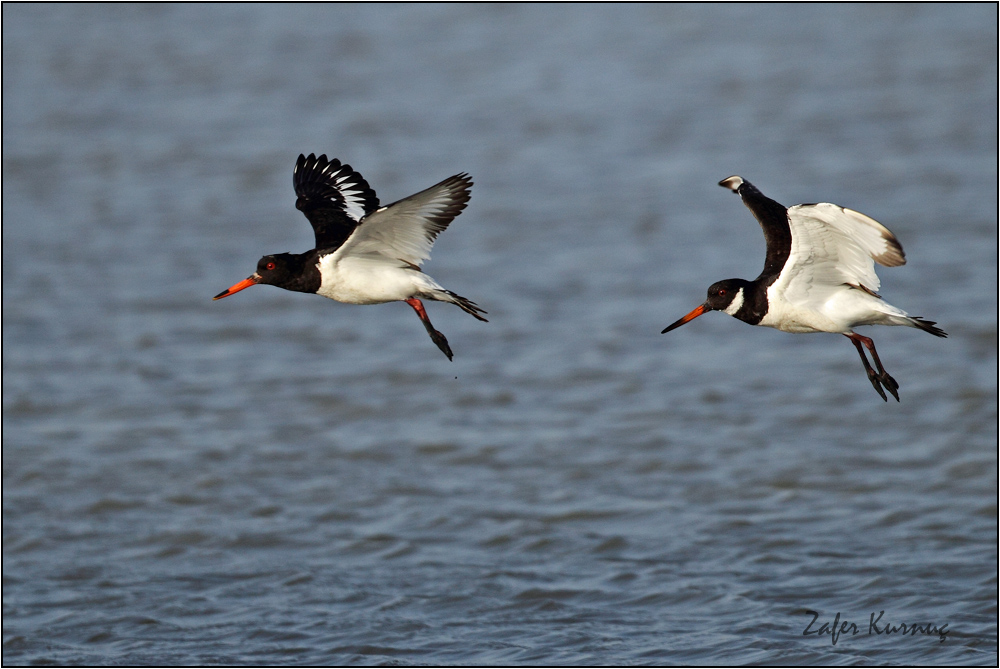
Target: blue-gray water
(279, 478)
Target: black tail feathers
(929, 326)
(467, 305)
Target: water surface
(277, 478)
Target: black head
(721, 294)
(276, 270)
(291, 271)
(725, 296)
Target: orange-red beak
(245, 283)
(690, 317)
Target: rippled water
(277, 478)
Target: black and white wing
(833, 246)
(333, 197)
(406, 230)
(816, 249)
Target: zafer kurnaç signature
(837, 627)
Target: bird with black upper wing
(366, 254)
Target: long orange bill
(690, 317)
(245, 283)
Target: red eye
(721, 292)
(270, 265)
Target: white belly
(789, 318)
(842, 310)
(359, 280)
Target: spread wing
(833, 246)
(773, 219)
(406, 230)
(332, 196)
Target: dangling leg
(872, 376)
(436, 336)
(887, 381)
(880, 378)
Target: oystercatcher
(366, 254)
(818, 276)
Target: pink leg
(881, 377)
(436, 336)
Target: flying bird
(819, 276)
(366, 254)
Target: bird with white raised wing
(819, 276)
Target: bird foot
(883, 379)
(441, 342)
(874, 378)
(890, 385)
